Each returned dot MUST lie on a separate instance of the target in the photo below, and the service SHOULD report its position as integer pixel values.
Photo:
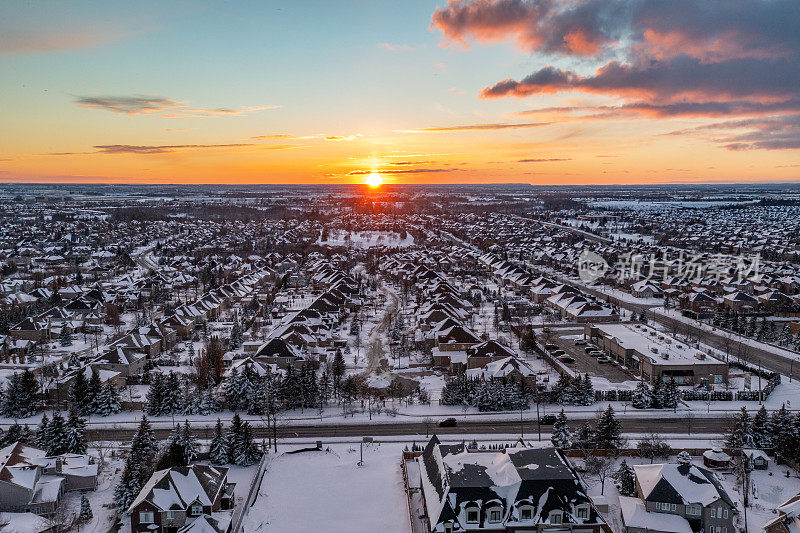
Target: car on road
(579, 342)
(448, 423)
(547, 420)
(604, 359)
(567, 360)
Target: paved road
(669, 423)
(720, 340)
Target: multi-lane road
(669, 423)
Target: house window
(555, 517)
(146, 517)
(472, 516)
(448, 528)
(693, 509)
(170, 515)
(725, 513)
(196, 510)
(525, 514)
(494, 515)
(582, 513)
(712, 512)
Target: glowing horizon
(420, 92)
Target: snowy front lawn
(328, 491)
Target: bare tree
(599, 467)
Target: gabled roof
(680, 484)
(179, 487)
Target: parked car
(580, 342)
(604, 359)
(566, 359)
(558, 353)
(547, 420)
(590, 348)
(595, 353)
(448, 423)
(550, 347)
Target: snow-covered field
(328, 491)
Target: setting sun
(374, 180)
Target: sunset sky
(542, 91)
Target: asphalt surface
(669, 423)
(584, 363)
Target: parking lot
(584, 363)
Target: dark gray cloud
(159, 105)
(128, 105)
(701, 58)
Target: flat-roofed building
(656, 355)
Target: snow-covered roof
(636, 516)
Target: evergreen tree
(672, 395)
(324, 388)
(56, 435)
(233, 385)
(172, 400)
(247, 452)
(75, 439)
(155, 395)
(739, 435)
(234, 438)
(218, 452)
(79, 391)
(208, 402)
(781, 426)
(189, 443)
(42, 434)
(128, 487)
(291, 389)
(108, 401)
(760, 429)
(355, 326)
(587, 390)
(21, 398)
(144, 445)
(308, 383)
(337, 369)
(65, 338)
(562, 436)
(642, 397)
(86, 510)
(626, 479)
(15, 433)
(657, 395)
(563, 390)
(608, 434)
(92, 395)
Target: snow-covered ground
(328, 491)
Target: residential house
(176, 497)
